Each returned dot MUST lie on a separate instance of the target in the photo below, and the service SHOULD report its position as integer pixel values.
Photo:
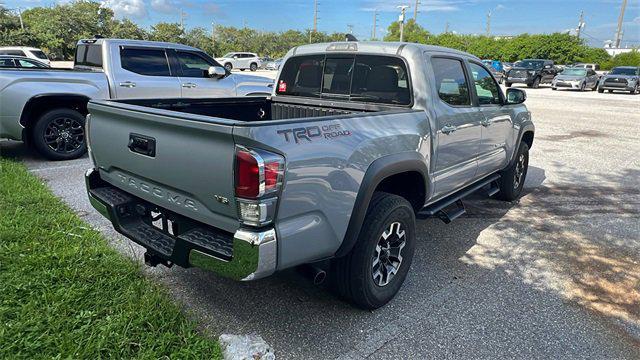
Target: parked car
(11, 61)
(594, 67)
(28, 52)
(532, 72)
(240, 60)
(496, 69)
(577, 78)
(356, 141)
(622, 78)
(274, 65)
(47, 107)
(506, 66)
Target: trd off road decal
(309, 133)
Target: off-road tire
(253, 67)
(354, 275)
(510, 183)
(228, 66)
(47, 131)
(536, 83)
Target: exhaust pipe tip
(313, 273)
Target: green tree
(631, 58)
(413, 32)
(169, 32)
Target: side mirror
(515, 96)
(217, 72)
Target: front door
(458, 126)
(194, 80)
(496, 124)
(144, 72)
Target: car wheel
(536, 83)
(228, 66)
(512, 178)
(371, 274)
(583, 87)
(253, 67)
(600, 90)
(610, 91)
(507, 84)
(554, 89)
(59, 135)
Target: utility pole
(20, 16)
(580, 24)
(315, 15)
(375, 23)
(350, 28)
(446, 28)
(183, 16)
(489, 23)
(213, 34)
(403, 10)
(620, 20)
(415, 11)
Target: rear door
(144, 72)
(496, 122)
(194, 80)
(458, 125)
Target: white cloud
(164, 6)
(126, 8)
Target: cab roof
(375, 47)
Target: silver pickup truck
(356, 142)
(47, 107)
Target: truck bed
(252, 109)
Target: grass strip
(64, 293)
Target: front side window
(361, 78)
(149, 62)
(451, 82)
(486, 87)
(28, 64)
(193, 65)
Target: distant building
(613, 51)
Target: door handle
(128, 84)
(485, 123)
(189, 85)
(448, 129)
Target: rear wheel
(554, 89)
(536, 83)
(228, 66)
(610, 91)
(512, 180)
(59, 135)
(600, 91)
(373, 272)
(253, 67)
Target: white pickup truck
(47, 107)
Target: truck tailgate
(182, 165)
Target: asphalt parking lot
(556, 274)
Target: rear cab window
(359, 78)
(451, 82)
(88, 55)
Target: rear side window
(450, 81)
(89, 55)
(362, 78)
(39, 54)
(149, 62)
(12, 52)
(7, 63)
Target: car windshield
(624, 71)
(530, 64)
(39, 54)
(574, 72)
(227, 55)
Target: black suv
(532, 72)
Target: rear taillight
(258, 178)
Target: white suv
(31, 53)
(240, 60)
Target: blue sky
(463, 16)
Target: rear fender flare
(379, 170)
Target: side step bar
(451, 207)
